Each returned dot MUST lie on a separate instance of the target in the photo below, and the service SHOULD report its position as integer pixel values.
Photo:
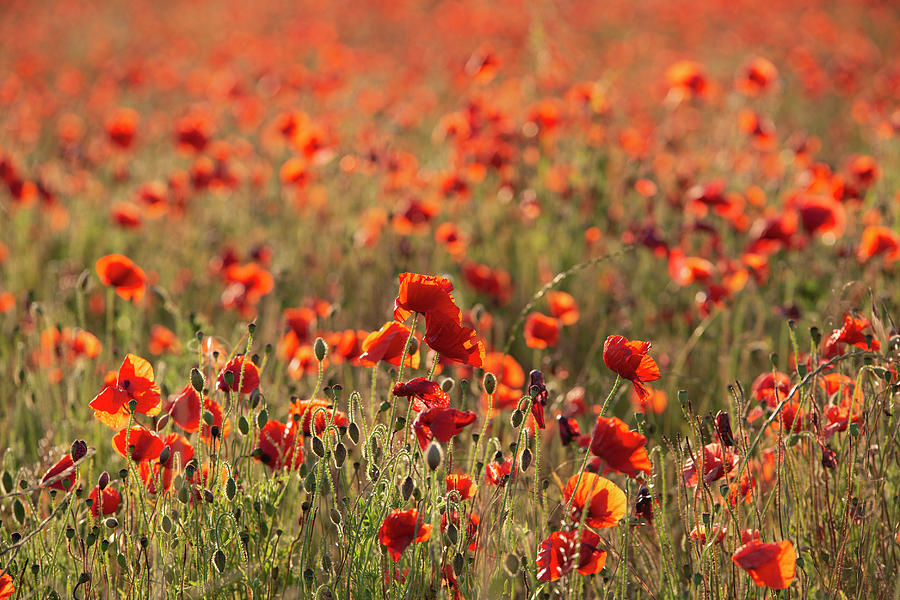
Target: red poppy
(245, 373)
(630, 361)
(400, 529)
(717, 461)
(839, 418)
(387, 344)
(876, 240)
(792, 417)
(771, 387)
(757, 76)
(427, 295)
(146, 444)
(821, 215)
(133, 382)
(162, 339)
(455, 342)
(425, 393)
(556, 555)
(7, 587)
(742, 490)
(215, 409)
(462, 484)
(563, 307)
(769, 564)
(442, 423)
(121, 127)
(701, 532)
(305, 409)
(60, 476)
(570, 431)
(497, 474)
(687, 78)
(121, 273)
(278, 446)
(604, 501)
(541, 331)
(851, 332)
(105, 502)
(621, 449)
(247, 284)
(184, 409)
(655, 402)
(496, 283)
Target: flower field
(451, 299)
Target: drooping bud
(829, 458)
(407, 488)
(79, 449)
(103, 480)
(526, 459)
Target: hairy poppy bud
(340, 455)
(490, 382)
(262, 418)
(829, 458)
(434, 455)
(320, 348)
(103, 480)
(447, 384)
(723, 428)
(162, 422)
(79, 449)
(526, 459)
(219, 561)
(165, 455)
(335, 516)
(318, 447)
(407, 488)
(228, 376)
(243, 425)
(353, 432)
(459, 562)
(197, 381)
(516, 418)
(452, 535)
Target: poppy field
(452, 299)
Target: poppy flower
(427, 295)
(877, 240)
(279, 447)
(756, 77)
(604, 501)
(247, 284)
(245, 374)
(563, 307)
(569, 431)
(134, 381)
(495, 283)
(462, 484)
(454, 341)
(163, 340)
(121, 127)
(184, 409)
(851, 332)
(821, 215)
(497, 474)
(742, 490)
(7, 587)
(556, 555)
(224, 427)
(120, 272)
(146, 444)
(684, 270)
(305, 409)
(621, 449)
(687, 78)
(717, 461)
(442, 423)
(541, 331)
(629, 360)
(769, 564)
(471, 526)
(839, 418)
(771, 387)
(425, 393)
(104, 502)
(701, 532)
(387, 344)
(60, 476)
(792, 417)
(400, 529)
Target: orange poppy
(245, 376)
(121, 273)
(184, 409)
(563, 307)
(163, 339)
(851, 332)
(7, 588)
(556, 555)
(629, 360)
(145, 444)
(621, 449)
(877, 240)
(453, 341)
(497, 474)
(400, 529)
(604, 501)
(441, 423)
(121, 127)
(700, 533)
(541, 331)
(386, 344)
(427, 295)
(757, 77)
(717, 461)
(687, 78)
(105, 502)
(134, 381)
(769, 564)
(463, 484)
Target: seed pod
(490, 382)
(318, 446)
(526, 459)
(723, 428)
(197, 381)
(112, 523)
(407, 488)
(447, 384)
(434, 455)
(340, 455)
(320, 348)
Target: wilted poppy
(541, 331)
(121, 273)
(769, 564)
(245, 376)
(604, 501)
(620, 448)
(133, 382)
(441, 423)
(104, 502)
(424, 393)
(146, 444)
(557, 554)
(400, 529)
(629, 360)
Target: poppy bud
(447, 384)
(490, 383)
(413, 346)
(815, 335)
(511, 564)
(407, 488)
(829, 458)
(526, 459)
(103, 480)
(165, 455)
(433, 456)
(228, 376)
(643, 507)
(162, 422)
(458, 563)
(112, 523)
(353, 432)
(452, 535)
(683, 397)
(516, 418)
(243, 425)
(79, 449)
(320, 348)
(255, 398)
(208, 496)
(318, 447)
(251, 328)
(335, 516)
(197, 381)
(219, 561)
(723, 428)
(262, 418)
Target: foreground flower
(427, 295)
(604, 501)
(400, 529)
(462, 484)
(442, 423)
(768, 564)
(60, 476)
(387, 345)
(135, 381)
(245, 376)
(279, 447)
(620, 448)
(425, 393)
(142, 444)
(324, 412)
(629, 360)
(104, 502)
(7, 589)
(120, 273)
(455, 342)
(557, 554)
